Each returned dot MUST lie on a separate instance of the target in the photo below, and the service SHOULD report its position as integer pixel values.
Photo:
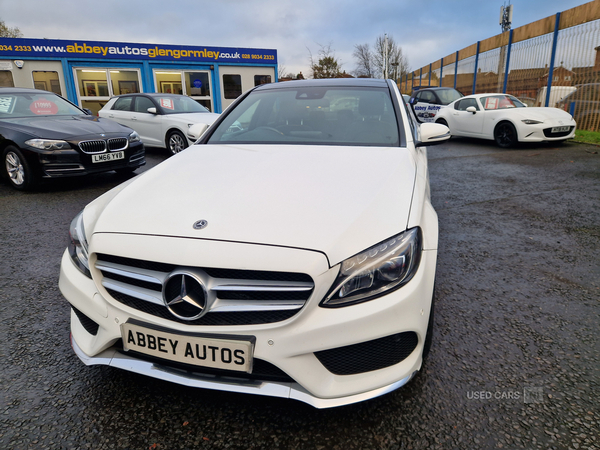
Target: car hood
(335, 200)
(66, 127)
(186, 118)
(538, 113)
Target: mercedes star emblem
(184, 295)
(200, 224)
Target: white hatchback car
(161, 120)
(506, 120)
(290, 253)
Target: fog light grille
(370, 355)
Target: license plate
(228, 354)
(108, 157)
(559, 129)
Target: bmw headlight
(531, 121)
(134, 137)
(78, 247)
(48, 144)
(377, 271)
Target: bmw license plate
(559, 129)
(108, 157)
(203, 351)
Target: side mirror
(431, 134)
(152, 110)
(196, 131)
(88, 111)
(472, 109)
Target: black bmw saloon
(43, 135)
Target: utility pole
(506, 13)
(385, 58)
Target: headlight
(48, 144)
(134, 137)
(531, 121)
(377, 271)
(78, 247)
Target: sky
(427, 30)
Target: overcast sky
(426, 30)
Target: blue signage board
(81, 48)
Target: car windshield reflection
(325, 116)
(34, 105)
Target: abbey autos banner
(40, 48)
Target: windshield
(178, 104)
(448, 95)
(501, 102)
(312, 115)
(32, 105)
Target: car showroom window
(46, 80)
(232, 86)
(6, 79)
(261, 79)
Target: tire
(17, 170)
(442, 122)
(505, 135)
(176, 142)
(429, 334)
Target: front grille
(238, 297)
(117, 144)
(92, 146)
(370, 355)
(548, 133)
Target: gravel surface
(514, 363)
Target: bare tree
(364, 58)
(327, 65)
(391, 58)
(9, 32)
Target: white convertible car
(506, 120)
(290, 253)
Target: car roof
(331, 82)
(18, 90)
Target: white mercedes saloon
(290, 252)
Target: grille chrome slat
(141, 293)
(151, 276)
(270, 293)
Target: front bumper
(66, 163)
(543, 133)
(290, 345)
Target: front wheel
(505, 135)
(17, 170)
(176, 142)
(442, 122)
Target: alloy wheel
(14, 168)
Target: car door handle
(134, 118)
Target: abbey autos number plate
(195, 350)
(104, 157)
(560, 129)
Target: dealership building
(89, 73)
